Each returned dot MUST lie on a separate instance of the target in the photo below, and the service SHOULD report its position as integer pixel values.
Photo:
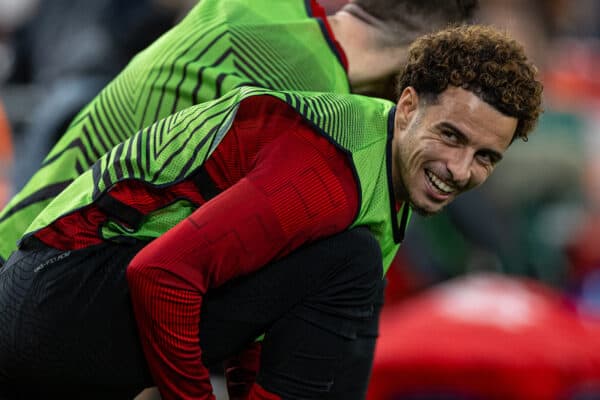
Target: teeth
(439, 184)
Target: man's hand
(241, 371)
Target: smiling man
(211, 222)
(446, 145)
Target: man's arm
(299, 189)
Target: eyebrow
(464, 138)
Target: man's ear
(407, 106)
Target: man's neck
(368, 60)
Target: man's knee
(364, 255)
(360, 247)
(348, 294)
(358, 271)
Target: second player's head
(391, 26)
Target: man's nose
(459, 167)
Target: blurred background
(533, 230)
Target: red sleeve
(299, 188)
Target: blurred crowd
(537, 218)
(56, 55)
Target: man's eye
(485, 158)
(450, 136)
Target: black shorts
(67, 323)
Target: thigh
(311, 358)
(352, 377)
(70, 329)
(323, 293)
(238, 312)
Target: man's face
(445, 148)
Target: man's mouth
(439, 184)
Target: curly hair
(482, 60)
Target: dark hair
(419, 16)
(482, 60)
